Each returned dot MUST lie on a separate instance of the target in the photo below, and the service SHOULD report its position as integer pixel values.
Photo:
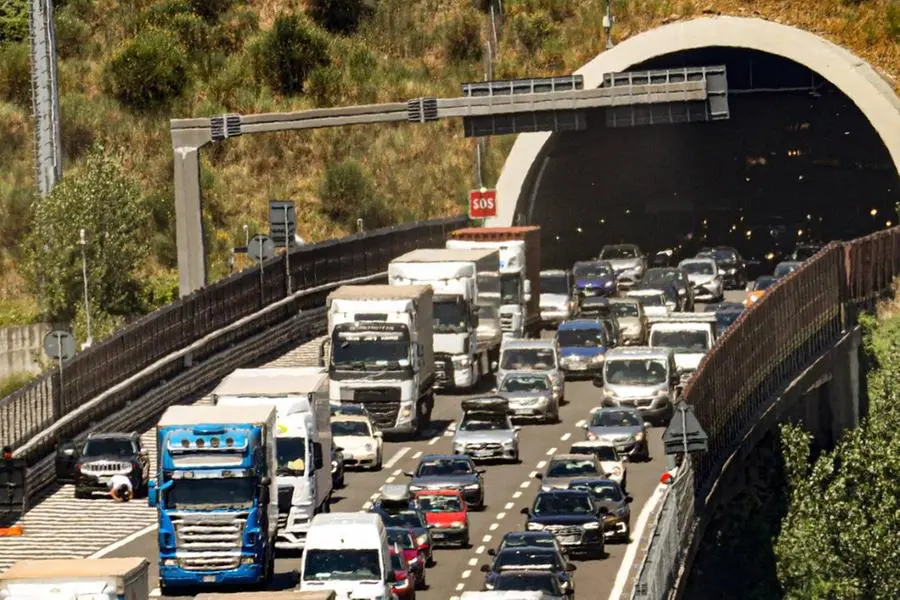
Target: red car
(405, 539)
(404, 586)
(447, 513)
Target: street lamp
(87, 303)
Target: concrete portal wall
(21, 348)
(520, 179)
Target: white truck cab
(349, 554)
(689, 335)
(65, 579)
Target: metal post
(262, 289)
(60, 351)
(607, 24)
(494, 31)
(87, 304)
(287, 254)
(684, 429)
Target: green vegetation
(13, 382)
(127, 66)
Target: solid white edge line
(637, 533)
(124, 541)
(396, 458)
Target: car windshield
(350, 428)
(700, 267)
(725, 318)
(401, 537)
(687, 341)
(447, 466)
(516, 539)
(582, 338)
(662, 275)
(764, 283)
(555, 284)
(652, 299)
(485, 424)
(520, 359)
(529, 582)
(624, 310)
(358, 350)
(440, 503)
(291, 455)
(109, 447)
(524, 383)
(531, 558)
(341, 565)
(450, 316)
(785, 269)
(566, 504)
(635, 371)
(408, 519)
(603, 453)
(571, 467)
(615, 252)
(605, 491)
(615, 418)
(211, 494)
(591, 270)
(348, 409)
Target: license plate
(437, 536)
(578, 367)
(209, 579)
(523, 411)
(568, 539)
(483, 453)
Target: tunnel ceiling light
(627, 211)
(799, 232)
(557, 238)
(603, 221)
(748, 233)
(578, 229)
(874, 212)
(888, 224)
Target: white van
(347, 553)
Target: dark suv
(91, 464)
(573, 517)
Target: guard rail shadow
(146, 342)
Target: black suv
(91, 464)
(730, 263)
(573, 517)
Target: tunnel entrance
(797, 161)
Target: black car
(726, 314)
(442, 471)
(573, 517)
(732, 266)
(610, 495)
(92, 463)
(533, 558)
(674, 301)
(594, 307)
(675, 276)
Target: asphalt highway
(508, 488)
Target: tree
(286, 55)
(101, 199)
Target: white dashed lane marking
(479, 550)
(517, 495)
(565, 436)
(551, 451)
(541, 464)
(473, 562)
(417, 455)
(581, 423)
(509, 506)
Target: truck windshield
(635, 372)
(291, 456)
(685, 341)
(582, 338)
(211, 494)
(342, 565)
(509, 289)
(450, 316)
(108, 447)
(520, 359)
(359, 351)
(554, 284)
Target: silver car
(632, 320)
(563, 468)
(645, 379)
(535, 356)
(622, 427)
(705, 277)
(486, 432)
(628, 262)
(529, 394)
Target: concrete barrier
(21, 349)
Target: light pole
(87, 303)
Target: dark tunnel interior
(796, 162)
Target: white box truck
(302, 439)
(379, 353)
(68, 579)
(690, 335)
(464, 338)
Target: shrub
(149, 72)
(15, 74)
(14, 131)
(288, 53)
(72, 35)
(13, 21)
(103, 324)
(160, 290)
(325, 85)
(339, 16)
(15, 212)
(211, 10)
(11, 383)
(533, 29)
(463, 37)
(81, 120)
(347, 194)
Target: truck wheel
(423, 419)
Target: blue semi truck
(215, 496)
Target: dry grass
(890, 308)
(401, 53)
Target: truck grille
(103, 467)
(383, 404)
(443, 369)
(209, 542)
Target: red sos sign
(482, 204)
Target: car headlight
(610, 393)
(422, 539)
(488, 586)
(591, 436)
(457, 524)
(564, 584)
(592, 525)
(617, 472)
(459, 448)
(532, 526)
(598, 358)
(639, 436)
(609, 284)
(416, 488)
(508, 443)
(472, 486)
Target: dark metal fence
(41, 403)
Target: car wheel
(377, 466)
(82, 495)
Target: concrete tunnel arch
(851, 75)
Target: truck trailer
(75, 578)
(520, 268)
(380, 353)
(302, 438)
(466, 288)
(216, 496)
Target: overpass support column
(844, 388)
(188, 210)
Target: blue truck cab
(215, 496)
(582, 347)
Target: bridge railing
(37, 406)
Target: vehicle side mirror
(648, 425)
(485, 569)
(494, 365)
(517, 428)
(491, 552)
(408, 473)
(481, 471)
(539, 476)
(628, 499)
(318, 459)
(265, 480)
(525, 511)
(378, 434)
(598, 382)
(152, 494)
(570, 567)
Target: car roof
(580, 324)
(789, 262)
(592, 444)
(554, 272)
(625, 300)
(696, 260)
(569, 456)
(428, 457)
(639, 352)
(518, 343)
(113, 435)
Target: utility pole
(45, 96)
(87, 303)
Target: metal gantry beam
(487, 108)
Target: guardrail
(146, 346)
(795, 321)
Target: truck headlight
(592, 525)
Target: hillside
(127, 66)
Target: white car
(705, 278)
(609, 458)
(359, 441)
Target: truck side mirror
(325, 353)
(485, 569)
(152, 494)
(265, 480)
(527, 290)
(317, 455)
